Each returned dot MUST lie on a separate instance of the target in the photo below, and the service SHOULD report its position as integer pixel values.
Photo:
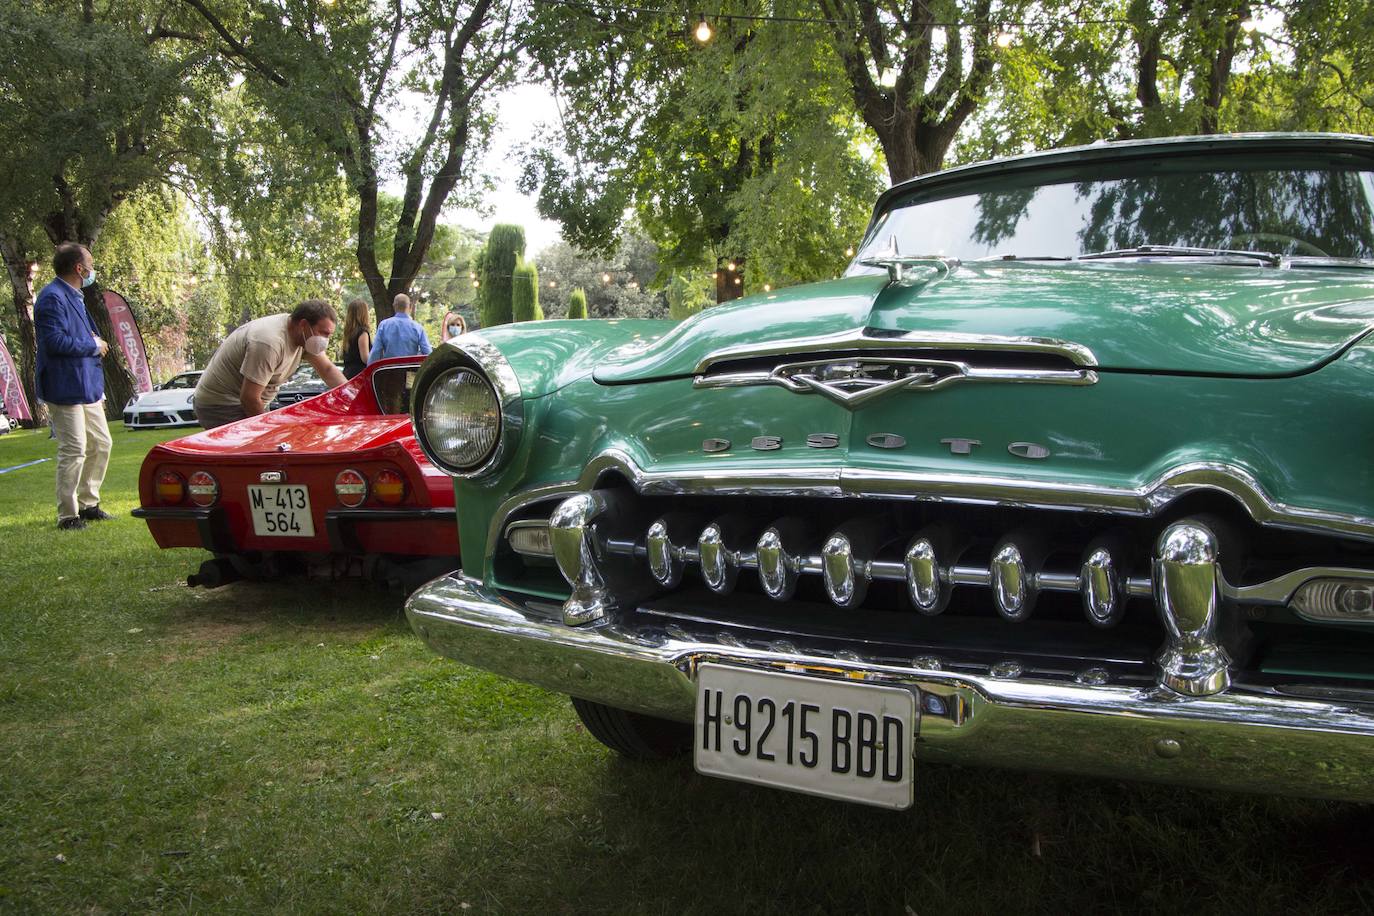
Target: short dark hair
(313, 311)
(66, 257)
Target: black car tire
(632, 735)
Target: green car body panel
(1134, 387)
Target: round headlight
(462, 418)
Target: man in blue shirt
(70, 381)
(399, 335)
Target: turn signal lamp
(389, 487)
(530, 538)
(204, 488)
(350, 487)
(171, 488)
(1336, 601)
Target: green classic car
(1072, 470)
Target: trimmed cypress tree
(577, 304)
(505, 248)
(524, 294)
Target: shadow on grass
(304, 606)
(661, 838)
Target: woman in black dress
(357, 338)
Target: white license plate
(281, 510)
(838, 739)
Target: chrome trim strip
(864, 340)
(982, 489)
(1240, 740)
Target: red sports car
(334, 485)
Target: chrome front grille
(885, 565)
(846, 567)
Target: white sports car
(168, 404)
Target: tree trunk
(21, 284)
(119, 382)
(729, 283)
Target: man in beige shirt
(249, 367)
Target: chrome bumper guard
(1233, 740)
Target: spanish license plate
(281, 510)
(837, 739)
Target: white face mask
(316, 345)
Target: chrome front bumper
(1234, 740)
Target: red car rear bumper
(398, 532)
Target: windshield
(1299, 212)
(185, 380)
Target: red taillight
(389, 487)
(170, 487)
(204, 488)
(351, 488)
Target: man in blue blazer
(70, 381)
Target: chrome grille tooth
(1015, 564)
(720, 548)
(1101, 585)
(846, 559)
(663, 565)
(930, 584)
(666, 545)
(780, 558)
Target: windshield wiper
(1182, 251)
(1022, 257)
(1328, 261)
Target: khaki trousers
(83, 454)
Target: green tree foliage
(151, 253)
(1123, 70)
(504, 249)
(331, 74)
(577, 303)
(685, 297)
(525, 292)
(619, 286)
(99, 101)
(729, 152)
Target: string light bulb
(767, 287)
(1249, 24)
(849, 252)
(730, 267)
(605, 278)
(1004, 38)
(703, 31)
(553, 284)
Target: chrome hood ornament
(910, 270)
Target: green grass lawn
(291, 747)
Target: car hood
(266, 433)
(1178, 316)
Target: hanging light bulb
(553, 284)
(730, 267)
(605, 278)
(849, 252)
(1249, 24)
(1004, 38)
(767, 287)
(703, 30)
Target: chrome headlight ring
(473, 355)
